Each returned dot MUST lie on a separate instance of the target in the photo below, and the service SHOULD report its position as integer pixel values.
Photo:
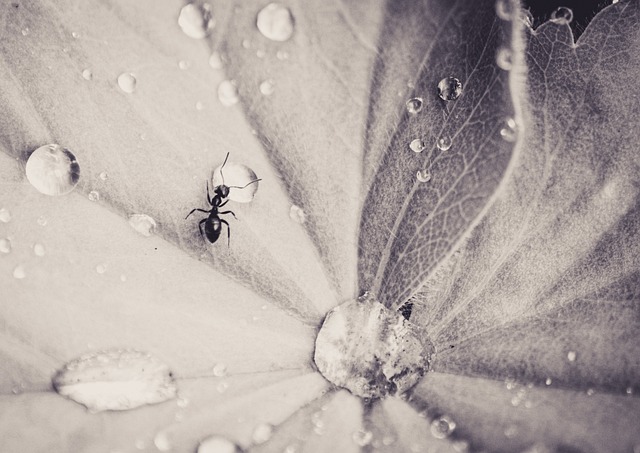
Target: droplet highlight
(414, 105)
(143, 224)
(417, 145)
(275, 22)
(216, 444)
(504, 58)
(196, 20)
(571, 356)
(449, 89)
(227, 93)
(296, 213)
(562, 16)
(423, 175)
(127, 82)
(53, 170)
(444, 143)
(94, 196)
(238, 178)
(442, 427)
(510, 130)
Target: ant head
(222, 191)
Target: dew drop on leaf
(222, 387)
(42, 221)
(449, 89)
(127, 82)
(5, 215)
(509, 131)
(38, 249)
(5, 245)
(103, 176)
(282, 55)
(267, 87)
(629, 390)
(562, 16)
(504, 10)
(275, 22)
(246, 44)
(216, 444)
(414, 105)
(161, 441)
(94, 196)
(260, 53)
(423, 175)
(220, 370)
(87, 74)
(53, 170)
(215, 61)
(115, 380)
(238, 178)
(297, 214)
(571, 356)
(143, 224)
(25, 31)
(362, 437)
(19, 272)
(183, 64)
(196, 20)
(101, 268)
(262, 433)
(442, 427)
(549, 381)
(417, 145)
(504, 58)
(227, 93)
(444, 143)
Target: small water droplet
(562, 16)
(388, 440)
(262, 433)
(94, 196)
(444, 143)
(196, 20)
(275, 22)
(549, 381)
(291, 449)
(199, 106)
(52, 170)
(38, 249)
(161, 441)
(5, 245)
(215, 61)
(123, 278)
(504, 58)
(227, 93)
(222, 387)
(143, 224)
(571, 356)
(5, 215)
(510, 431)
(362, 438)
(215, 444)
(267, 87)
(75, 34)
(423, 175)
(183, 64)
(297, 214)
(449, 89)
(103, 175)
(442, 427)
(414, 105)
(220, 370)
(260, 53)
(42, 221)
(504, 9)
(417, 145)
(19, 272)
(25, 31)
(282, 55)
(238, 175)
(87, 74)
(101, 268)
(246, 44)
(590, 392)
(613, 2)
(510, 130)
(629, 390)
(127, 82)
(140, 444)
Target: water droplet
(423, 175)
(262, 433)
(123, 278)
(237, 175)
(199, 106)
(442, 427)
(362, 437)
(115, 379)
(297, 214)
(549, 381)
(291, 449)
(510, 431)
(87, 74)
(101, 268)
(183, 64)
(414, 105)
(260, 53)
(215, 444)
(94, 196)
(42, 221)
(246, 44)
(222, 387)
(282, 55)
(504, 9)
(18, 272)
(215, 61)
(267, 87)
(53, 170)
(590, 392)
(143, 224)
(275, 22)
(38, 249)
(571, 356)
(5, 245)
(613, 2)
(5, 215)
(220, 370)
(444, 143)
(25, 31)
(227, 93)
(388, 440)
(504, 58)
(449, 89)
(127, 82)
(562, 16)
(161, 441)
(510, 131)
(75, 34)
(417, 145)
(196, 21)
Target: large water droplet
(87, 74)
(504, 9)
(127, 82)
(275, 22)
(94, 196)
(5, 214)
(444, 143)
(571, 356)
(215, 444)
(362, 437)
(5, 245)
(161, 441)
(417, 145)
(423, 175)
(196, 21)
(297, 214)
(38, 249)
(19, 272)
(449, 89)
(414, 105)
(53, 170)
(143, 224)
(562, 16)
(267, 87)
(504, 58)
(237, 177)
(442, 427)
(227, 93)
(510, 130)
(262, 433)
(115, 380)
(215, 61)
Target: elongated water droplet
(414, 105)
(571, 356)
(196, 21)
(53, 170)
(262, 433)
(442, 427)
(275, 22)
(215, 444)
(127, 82)
(562, 16)
(297, 214)
(504, 58)
(94, 196)
(444, 143)
(5, 215)
(215, 61)
(5, 245)
(267, 87)
(38, 249)
(417, 145)
(510, 130)
(238, 178)
(449, 89)
(362, 437)
(504, 10)
(423, 175)
(143, 224)
(19, 272)
(87, 74)
(227, 93)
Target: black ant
(213, 223)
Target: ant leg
(194, 210)
(200, 223)
(222, 204)
(228, 232)
(228, 212)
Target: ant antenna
(250, 182)
(222, 166)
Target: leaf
(408, 226)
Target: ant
(213, 223)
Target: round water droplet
(227, 93)
(53, 170)
(297, 214)
(42, 221)
(5, 245)
(267, 87)
(5, 215)
(199, 106)
(101, 268)
(275, 22)
(562, 16)
(196, 20)
(414, 105)
(87, 74)
(510, 130)
(222, 387)
(362, 437)
(262, 433)
(504, 58)
(504, 9)
(220, 370)
(127, 82)
(239, 179)
(38, 249)
(449, 89)
(590, 392)
(444, 143)
(94, 196)
(442, 427)
(417, 145)
(104, 176)
(161, 441)
(19, 272)
(423, 175)
(143, 224)
(282, 55)
(215, 444)
(215, 61)
(571, 356)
